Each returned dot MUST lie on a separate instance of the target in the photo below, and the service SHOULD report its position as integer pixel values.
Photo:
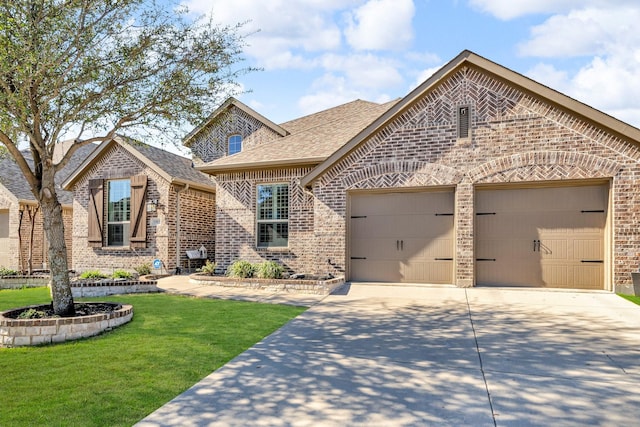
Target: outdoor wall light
(152, 205)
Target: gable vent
(464, 120)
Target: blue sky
(316, 54)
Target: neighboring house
(134, 203)
(479, 176)
(22, 241)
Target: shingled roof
(310, 140)
(13, 180)
(172, 167)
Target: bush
(93, 274)
(143, 269)
(7, 272)
(121, 274)
(269, 270)
(208, 268)
(241, 269)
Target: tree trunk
(54, 230)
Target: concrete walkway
(414, 355)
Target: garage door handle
(485, 213)
(358, 216)
(485, 259)
(595, 261)
(593, 211)
(444, 259)
(358, 257)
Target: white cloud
(602, 45)
(584, 32)
(278, 27)
(331, 90)
(381, 25)
(424, 75)
(510, 9)
(364, 71)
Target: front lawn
(632, 298)
(119, 377)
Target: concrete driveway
(416, 355)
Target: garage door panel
(376, 271)
(419, 249)
(438, 272)
(567, 222)
(404, 232)
(374, 249)
(588, 249)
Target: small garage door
(4, 238)
(402, 237)
(542, 237)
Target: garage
(4, 238)
(402, 237)
(541, 237)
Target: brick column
(464, 269)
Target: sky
(316, 54)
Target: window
(235, 144)
(273, 215)
(118, 212)
(125, 220)
(464, 121)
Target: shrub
(32, 313)
(242, 269)
(143, 269)
(121, 274)
(208, 268)
(93, 274)
(269, 270)
(7, 272)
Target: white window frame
(126, 223)
(279, 216)
(229, 142)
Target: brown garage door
(542, 237)
(4, 238)
(402, 237)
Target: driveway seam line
(484, 378)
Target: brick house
(134, 203)
(479, 176)
(22, 240)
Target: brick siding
(515, 138)
(236, 220)
(211, 142)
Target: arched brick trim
(568, 165)
(402, 174)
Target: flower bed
(317, 286)
(26, 332)
(87, 287)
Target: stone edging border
(28, 332)
(316, 287)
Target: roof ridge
(369, 107)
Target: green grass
(119, 377)
(633, 298)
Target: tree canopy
(87, 69)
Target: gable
(208, 142)
(420, 146)
(498, 98)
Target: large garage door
(543, 237)
(402, 237)
(4, 238)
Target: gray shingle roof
(11, 175)
(174, 165)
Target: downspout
(178, 249)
